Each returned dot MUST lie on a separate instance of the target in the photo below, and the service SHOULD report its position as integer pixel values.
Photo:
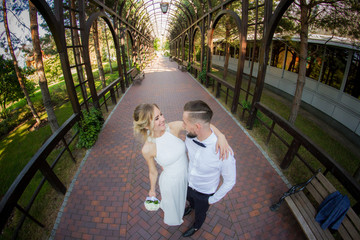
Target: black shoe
(187, 211)
(190, 232)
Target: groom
(205, 166)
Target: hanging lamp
(164, 7)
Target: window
(250, 49)
(334, 67)
(314, 60)
(352, 86)
(278, 54)
(292, 59)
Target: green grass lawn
(14, 158)
(297, 172)
(20, 145)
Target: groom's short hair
(198, 110)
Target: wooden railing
(112, 88)
(219, 82)
(39, 163)
(299, 139)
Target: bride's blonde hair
(143, 115)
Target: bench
(137, 76)
(182, 66)
(317, 188)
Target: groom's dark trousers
(200, 203)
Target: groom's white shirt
(205, 169)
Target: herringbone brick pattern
(106, 201)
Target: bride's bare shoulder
(148, 149)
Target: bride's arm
(153, 173)
(176, 128)
(221, 144)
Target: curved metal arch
(139, 21)
(145, 5)
(242, 45)
(186, 35)
(147, 12)
(142, 28)
(191, 20)
(209, 4)
(144, 15)
(129, 10)
(183, 40)
(141, 17)
(196, 28)
(57, 30)
(52, 21)
(145, 18)
(180, 47)
(177, 17)
(89, 23)
(276, 17)
(122, 4)
(111, 12)
(194, 7)
(233, 14)
(175, 27)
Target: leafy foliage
(89, 128)
(9, 85)
(247, 105)
(202, 74)
(166, 45)
(52, 68)
(157, 44)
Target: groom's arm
(228, 172)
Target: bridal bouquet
(152, 203)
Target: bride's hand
(222, 145)
(152, 193)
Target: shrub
(202, 74)
(247, 105)
(89, 128)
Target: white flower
(152, 203)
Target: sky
(20, 31)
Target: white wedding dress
(172, 157)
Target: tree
(9, 86)
(320, 14)
(108, 49)
(17, 69)
(343, 19)
(97, 52)
(39, 65)
(227, 46)
(305, 14)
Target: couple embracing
(191, 170)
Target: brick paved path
(106, 201)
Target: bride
(162, 145)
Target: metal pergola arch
(208, 21)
